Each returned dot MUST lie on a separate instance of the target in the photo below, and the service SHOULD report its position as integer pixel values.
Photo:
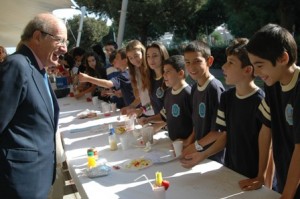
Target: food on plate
(120, 129)
(86, 114)
(138, 163)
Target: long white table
(209, 179)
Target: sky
(65, 14)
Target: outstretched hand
(82, 77)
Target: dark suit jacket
(27, 129)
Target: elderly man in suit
(29, 111)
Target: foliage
(148, 19)
(217, 38)
(93, 31)
(247, 16)
(203, 21)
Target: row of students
(242, 119)
(250, 120)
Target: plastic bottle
(112, 138)
(91, 159)
(158, 178)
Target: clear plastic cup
(124, 139)
(147, 134)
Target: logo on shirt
(201, 110)
(160, 92)
(175, 110)
(289, 114)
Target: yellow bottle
(91, 160)
(158, 178)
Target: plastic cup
(124, 139)
(159, 192)
(105, 108)
(147, 134)
(95, 101)
(113, 107)
(178, 145)
(129, 123)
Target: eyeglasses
(60, 40)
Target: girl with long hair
(140, 75)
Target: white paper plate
(137, 164)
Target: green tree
(203, 21)
(93, 31)
(149, 19)
(247, 16)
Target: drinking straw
(146, 179)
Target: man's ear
(36, 36)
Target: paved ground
(70, 191)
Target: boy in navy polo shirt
(273, 53)
(206, 97)
(177, 111)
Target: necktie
(48, 90)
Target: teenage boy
(177, 109)
(122, 81)
(273, 53)
(206, 97)
(246, 146)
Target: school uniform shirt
(111, 72)
(239, 117)
(206, 100)
(281, 111)
(177, 112)
(122, 81)
(157, 95)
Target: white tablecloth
(209, 179)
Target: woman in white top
(139, 75)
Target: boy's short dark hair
(198, 46)
(271, 41)
(238, 48)
(111, 43)
(78, 51)
(176, 61)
